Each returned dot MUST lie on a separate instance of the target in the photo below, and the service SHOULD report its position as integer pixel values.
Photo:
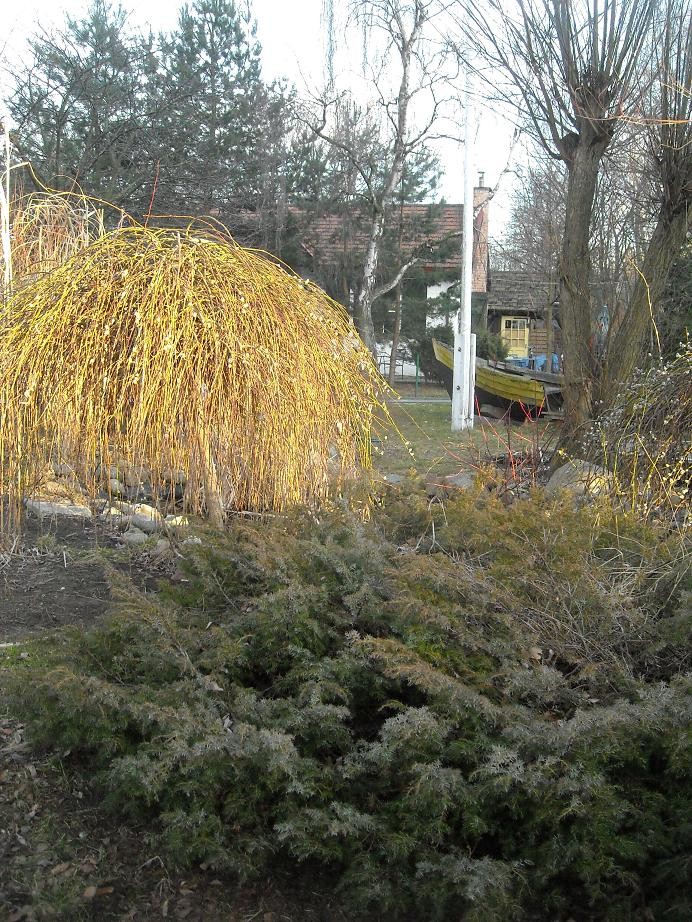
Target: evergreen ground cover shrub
(488, 719)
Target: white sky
(292, 38)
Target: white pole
(472, 380)
(5, 240)
(462, 389)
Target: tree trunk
(549, 334)
(213, 489)
(629, 341)
(396, 336)
(575, 295)
(363, 311)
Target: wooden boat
(508, 388)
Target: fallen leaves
(92, 892)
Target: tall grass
(179, 349)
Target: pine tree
(218, 112)
(82, 108)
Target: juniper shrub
(489, 724)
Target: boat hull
(518, 393)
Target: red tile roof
(335, 240)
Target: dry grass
(436, 451)
(48, 228)
(181, 350)
(645, 440)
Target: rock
(162, 547)
(44, 509)
(143, 492)
(122, 471)
(132, 477)
(179, 478)
(58, 489)
(125, 508)
(192, 540)
(492, 412)
(147, 518)
(580, 478)
(116, 488)
(177, 521)
(60, 469)
(464, 480)
(116, 516)
(110, 472)
(393, 479)
(134, 537)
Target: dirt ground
(53, 577)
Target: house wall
(538, 337)
(434, 291)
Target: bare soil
(53, 578)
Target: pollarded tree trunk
(629, 341)
(575, 295)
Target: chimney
(481, 205)
(481, 179)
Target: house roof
(516, 292)
(330, 236)
(340, 239)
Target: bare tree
(534, 234)
(573, 69)
(409, 73)
(669, 128)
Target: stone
(132, 477)
(125, 508)
(177, 521)
(58, 489)
(116, 488)
(116, 517)
(61, 469)
(178, 478)
(147, 518)
(162, 547)
(44, 509)
(134, 537)
(192, 540)
(492, 412)
(143, 492)
(580, 478)
(393, 479)
(122, 471)
(464, 480)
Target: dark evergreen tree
(221, 127)
(82, 108)
(185, 116)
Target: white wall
(434, 291)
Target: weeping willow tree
(178, 349)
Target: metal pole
(462, 394)
(472, 381)
(417, 372)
